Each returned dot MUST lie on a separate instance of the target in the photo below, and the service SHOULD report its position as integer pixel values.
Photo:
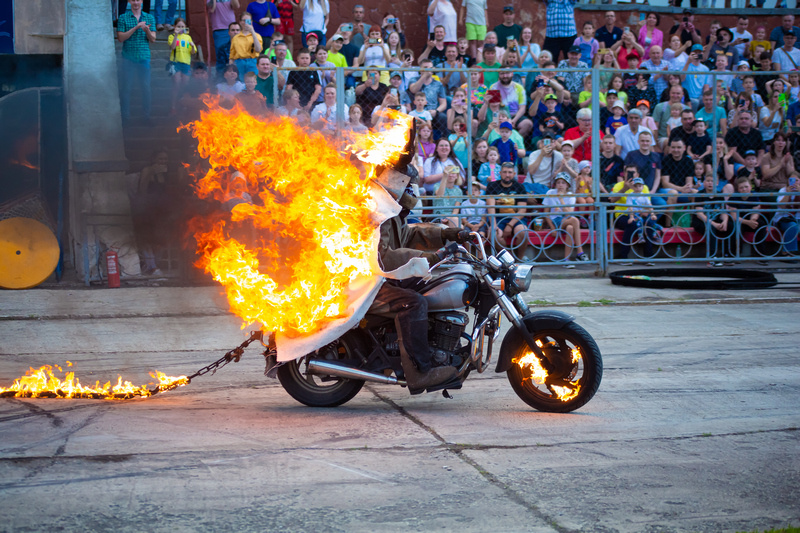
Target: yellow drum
(28, 253)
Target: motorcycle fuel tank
(454, 289)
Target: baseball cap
(584, 164)
(788, 32)
(508, 8)
(643, 102)
(550, 96)
(698, 120)
(314, 34)
(506, 125)
(611, 91)
(635, 113)
(619, 104)
(563, 176)
(508, 164)
(489, 47)
(336, 37)
(574, 49)
(396, 73)
(638, 181)
(743, 64)
(565, 143)
(749, 152)
(697, 47)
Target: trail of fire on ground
(41, 383)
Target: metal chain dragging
(233, 355)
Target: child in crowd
(182, 49)
(751, 170)
(630, 79)
(443, 204)
(560, 205)
(305, 82)
(699, 175)
(464, 53)
(505, 146)
(478, 92)
(585, 96)
(760, 40)
(473, 211)
(699, 143)
(568, 165)
(460, 109)
(617, 120)
(231, 85)
(745, 210)
(253, 101)
(584, 186)
(607, 103)
(312, 42)
(551, 120)
(587, 43)
(647, 120)
(711, 214)
(425, 147)
(674, 120)
(641, 217)
(490, 171)
(419, 111)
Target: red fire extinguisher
(112, 267)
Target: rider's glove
(455, 234)
(444, 251)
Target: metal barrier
(599, 231)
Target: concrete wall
(39, 26)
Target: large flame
(44, 383)
(539, 375)
(288, 251)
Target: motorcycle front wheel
(320, 391)
(576, 373)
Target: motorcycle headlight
(523, 276)
(506, 258)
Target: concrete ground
(694, 428)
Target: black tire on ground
(558, 345)
(727, 278)
(312, 390)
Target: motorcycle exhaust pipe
(326, 368)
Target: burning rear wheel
(317, 390)
(575, 377)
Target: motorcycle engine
(444, 335)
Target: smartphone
(391, 21)
(626, 28)
(546, 142)
(642, 16)
(742, 102)
(393, 91)
(248, 22)
(407, 57)
(792, 181)
(686, 19)
(375, 41)
(745, 40)
(347, 27)
(629, 175)
(494, 95)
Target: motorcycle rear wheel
(559, 345)
(318, 391)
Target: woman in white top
(315, 18)
(374, 52)
(443, 14)
(675, 54)
(433, 171)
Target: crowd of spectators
(528, 124)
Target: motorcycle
(552, 363)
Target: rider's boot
(418, 381)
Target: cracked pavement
(695, 427)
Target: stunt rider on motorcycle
(399, 242)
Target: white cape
(361, 292)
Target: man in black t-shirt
(687, 127)
(608, 34)
(511, 203)
(677, 170)
(611, 164)
(744, 137)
